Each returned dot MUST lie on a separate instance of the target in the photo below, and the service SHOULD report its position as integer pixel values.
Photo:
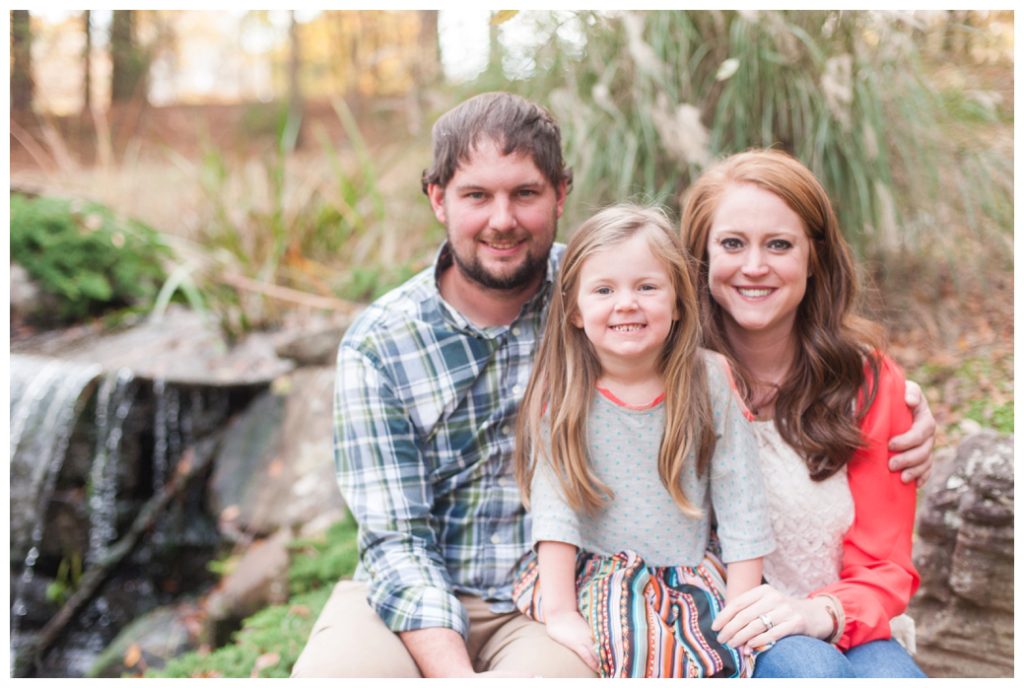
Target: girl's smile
(626, 305)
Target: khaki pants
(350, 640)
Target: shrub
(86, 257)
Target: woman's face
(758, 258)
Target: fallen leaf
(275, 468)
(133, 655)
(264, 661)
(299, 610)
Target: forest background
(267, 163)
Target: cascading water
(164, 442)
(113, 402)
(46, 398)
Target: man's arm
(386, 485)
(438, 652)
(915, 461)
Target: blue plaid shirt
(425, 409)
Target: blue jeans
(800, 656)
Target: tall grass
(656, 96)
(313, 223)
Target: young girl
(628, 436)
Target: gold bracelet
(837, 624)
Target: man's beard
(525, 275)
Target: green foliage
(271, 640)
(319, 563)
(978, 387)
(267, 645)
(69, 576)
(367, 283)
(997, 416)
(962, 107)
(261, 120)
(81, 253)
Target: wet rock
(27, 299)
(66, 529)
(180, 346)
(31, 603)
(258, 579)
(964, 552)
(150, 641)
(275, 468)
(314, 343)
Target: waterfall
(113, 402)
(46, 398)
(162, 415)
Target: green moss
(998, 416)
(318, 563)
(976, 387)
(267, 645)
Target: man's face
(501, 214)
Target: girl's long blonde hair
(566, 371)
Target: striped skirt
(648, 621)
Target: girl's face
(758, 258)
(626, 304)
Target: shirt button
(517, 389)
(495, 539)
(515, 331)
(491, 592)
(505, 430)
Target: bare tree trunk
(425, 67)
(429, 64)
(87, 64)
(22, 83)
(128, 62)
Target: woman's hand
(570, 629)
(763, 615)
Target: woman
(777, 289)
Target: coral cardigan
(877, 577)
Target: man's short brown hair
(512, 122)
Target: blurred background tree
(22, 84)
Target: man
(429, 382)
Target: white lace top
(808, 518)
